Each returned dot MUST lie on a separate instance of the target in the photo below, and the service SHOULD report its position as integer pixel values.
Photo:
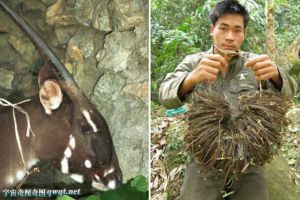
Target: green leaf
(64, 197)
(134, 189)
(140, 183)
(124, 192)
(93, 197)
(183, 27)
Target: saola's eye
(85, 128)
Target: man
(229, 70)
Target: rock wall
(104, 44)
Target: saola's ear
(50, 95)
(50, 91)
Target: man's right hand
(206, 71)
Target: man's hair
(228, 7)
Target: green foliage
(154, 106)
(139, 183)
(134, 189)
(93, 197)
(287, 23)
(297, 98)
(64, 197)
(255, 29)
(176, 27)
(181, 27)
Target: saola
(66, 128)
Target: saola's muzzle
(105, 179)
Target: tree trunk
(270, 28)
(293, 51)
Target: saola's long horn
(40, 44)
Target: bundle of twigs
(230, 139)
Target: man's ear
(211, 29)
(50, 95)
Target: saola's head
(88, 154)
(88, 151)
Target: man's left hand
(265, 69)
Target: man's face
(228, 33)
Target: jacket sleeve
(289, 86)
(168, 91)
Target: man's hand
(265, 69)
(207, 70)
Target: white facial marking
(72, 142)
(111, 184)
(68, 153)
(64, 165)
(77, 177)
(10, 180)
(97, 178)
(88, 164)
(109, 171)
(20, 175)
(87, 116)
(99, 186)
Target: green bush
(297, 98)
(134, 189)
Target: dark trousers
(208, 186)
